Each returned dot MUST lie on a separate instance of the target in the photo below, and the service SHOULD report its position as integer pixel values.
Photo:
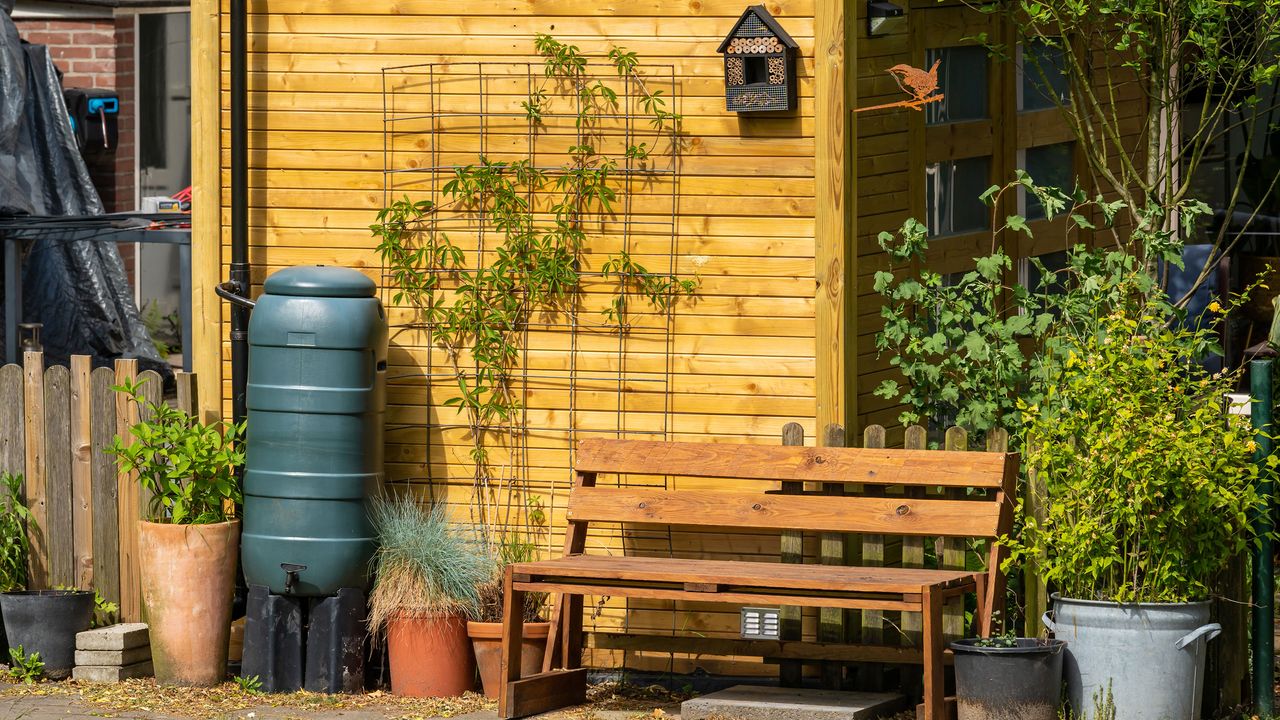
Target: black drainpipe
(236, 289)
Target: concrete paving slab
(762, 702)
(113, 657)
(111, 673)
(121, 636)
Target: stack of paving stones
(112, 654)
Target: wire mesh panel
(596, 360)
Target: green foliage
(24, 668)
(15, 546)
(1150, 482)
(187, 467)
(105, 612)
(424, 565)
(1203, 70)
(968, 346)
(483, 314)
(251, 685)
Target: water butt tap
(291, 571)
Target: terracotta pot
(430, 656)
(486, 640)
(188, 578)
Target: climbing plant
(479, 311)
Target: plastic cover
(77, 288)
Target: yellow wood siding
(742, 352)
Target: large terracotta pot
(486, 640)
(430, 656)
(188, 578)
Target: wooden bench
(985, 514)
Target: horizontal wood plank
(804, 464)
(545, 691)
(891, 516)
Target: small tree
(1201, 68)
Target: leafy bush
(424, 564)
(188, 467)
(15, 546)
(1150, 482)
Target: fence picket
(82, 470)
(790, 620)
(106, 515)
(12, 450)
(58, 489)
(127, 502)
(872, 551)
(33, 429)
(831, 552)
(951, 551)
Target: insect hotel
(759, 64)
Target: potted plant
(1149, 484)
(427, 578)
(1018, 678)
(39, 625)
(486, 631)
(189, 541)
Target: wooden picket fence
(55, 424)
(874, 627)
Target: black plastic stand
(292, 643)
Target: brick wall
(97, 53)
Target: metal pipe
(1260, 385)
(239, 276)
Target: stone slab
(113, 657)
(111, 673)
(762, 702)
(122, 636)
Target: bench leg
(512, 636)
(934, 677)
(981, 624)
(571, 633)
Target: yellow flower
(1215, 307)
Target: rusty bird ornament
(921, 85)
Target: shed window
(962, 80)
(951, 195)
(1049, 166)
(1042, 79)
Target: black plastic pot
(1023, 682)
(46, 621)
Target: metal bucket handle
(1049, 623)
(1208, 632)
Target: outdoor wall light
(882, 16)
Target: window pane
(1043, 75)
(962, 80)
(1048, 166)
(1054, 263)
(951, 195)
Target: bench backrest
(984, 515)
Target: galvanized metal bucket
(1148, 656)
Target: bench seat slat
(734, 573)
(778, 463)
(888, 516)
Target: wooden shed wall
(743, 351)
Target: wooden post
(1035, 590)
(831, 552)
(834, 258)
(790, 619)
(206, 204)
(106, 514)
(58, 489)
(82, 470)
(33, 428)
(127, 501)
(12, 450)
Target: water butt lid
(320, 281)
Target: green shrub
(1149, 480)
(15, 547)
(24, 668)
(187, 467)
